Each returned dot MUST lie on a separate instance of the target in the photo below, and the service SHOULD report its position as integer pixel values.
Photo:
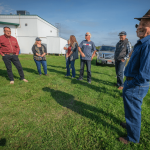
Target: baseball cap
(38, 39)
(122, 33)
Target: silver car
(106, 55)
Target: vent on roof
(22, 12)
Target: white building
(27, 27)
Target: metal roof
(9, 23)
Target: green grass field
(57, 113)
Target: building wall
(26, 44)
(63, 42)
(22, 30)
(45, 29)
(55, 45)
(36, 27)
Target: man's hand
(43, 55)
(122, 60)
(83, 55)
(65, 48)
(91, 58)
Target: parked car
(106, 55)
(97, 52)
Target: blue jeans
(72, 66)
(88, 66)
(119, 66)
(38, 64)
(133, 97)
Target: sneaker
(72, 77)
(79, 79)
(11, 82)
(46, 75)
(25, 80)
(89, 82)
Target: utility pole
(58, 26)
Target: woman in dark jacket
(39, 52)
(72, 56)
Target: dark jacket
(121, 49)
(74, 49)
(40, 50)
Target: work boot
(124, 125)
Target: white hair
(89, 34)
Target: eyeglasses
(7, 31)
(87, 34)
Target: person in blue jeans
(72, 55)
(123, 48)
(136, 86)
(39, 55)
(66, 51)
(88, 47)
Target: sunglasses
(87, 34)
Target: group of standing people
(9, 50)
(87, 51)
(137, 72)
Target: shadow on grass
(91, 112)
(93, 87)
(101, 89)
(78, 69)
(2, 142)
(30, 70)
(3, 73)
(57, 66)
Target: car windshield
(107, 48)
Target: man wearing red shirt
(9, 49)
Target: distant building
(27, 27)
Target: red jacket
(8, 45)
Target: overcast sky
(104, 19)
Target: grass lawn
(57, 113)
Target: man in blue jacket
(136, 85)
